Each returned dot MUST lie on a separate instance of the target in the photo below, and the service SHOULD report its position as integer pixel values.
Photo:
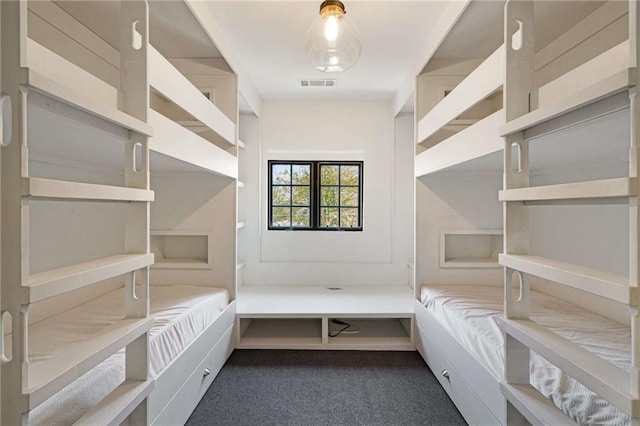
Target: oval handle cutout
(136, 37)
(137, 157)
(516, 158)
(6, 110)
(517, 38)
(6, 352)
(519, 284)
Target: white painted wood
(241, 144)
(481, 83)
(175, 374)
(65, 190)
(485, 241)
(44, 62)
(177, 249)
(185, 398)
(85, 103)
(537, 409)
(606, 88)
(607, 188)
(118, 405)
(165, 78)
(457, 149)
(609, 63)
(605, 379)
(191, 148)
(605, 284)
(482, 382)
(311, 301)
(209, 24)
(474, 390)
(48, 377)
(58, 281)
(241, 225)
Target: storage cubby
(473, 248)
(378, 332)
(181, 249)
(264, 333)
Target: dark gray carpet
(279, 387)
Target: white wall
(334, 130)
(197, 202)
(450, 201)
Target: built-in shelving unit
(607, 85)
(301, 317)
(474, 248)
(182, 249)
(56, 90)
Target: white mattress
(469, 314)
(180, 314)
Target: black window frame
(314, 188)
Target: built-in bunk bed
(87, 338)
(459, 326)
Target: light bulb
(331, 28)
(333, 42)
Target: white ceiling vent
(322, 82)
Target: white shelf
(118, 405)
(166, 79)
(175, 141)
(611, 286)
(604, 378)
(377, 333)
(534, 406)
(241, 144)
(267, 333)
(241, 225)
(58, 281)
(181, 249)
(241, 184)
(604, 89)
(470, 248)
(607, 188)
(68, 364)
(85, 103)
(310, 301)
(484, 81)
(475, 141)
(65, 190)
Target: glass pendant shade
(333, 41)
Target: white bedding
(180, 314)
(469, 314)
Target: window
(315, 195)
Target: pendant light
(333, 42)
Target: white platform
(300, 317)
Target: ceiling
(268, 37)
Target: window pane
(281, 196)
(281, 216)
(349, 175)
(301, 196)
(301, 216)
(349, 218)
(281, 173)
(329, 175)
(301, 174)
(349, 197)
(329, 196)
(329, 217)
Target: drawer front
(468, 403)
(178, 410)
(475, 374)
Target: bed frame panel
(174, 397)
(474, 390)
